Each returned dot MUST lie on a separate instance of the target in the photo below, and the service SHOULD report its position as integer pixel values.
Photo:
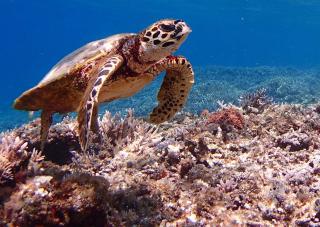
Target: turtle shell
(82, 55)
(57, 79)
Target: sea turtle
(112, 68)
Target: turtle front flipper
(87, 116)
(175, 88)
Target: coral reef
(231, 167)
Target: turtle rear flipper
(175, 87)
(46, 121)
(88, 111)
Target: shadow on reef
(61, 141)
(256, 164)
(81, 200)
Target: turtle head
(161, 39)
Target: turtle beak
(187, 29)
(182, 29)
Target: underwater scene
(160, 113)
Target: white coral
(12, 151)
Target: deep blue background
(35, 34)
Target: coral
(76, 200)
(62, 139)
(121, 137)
(291, 89)
(180, 173)
(255, 102)
(13, 153)
(125, 132)
(227, 117)
(295, 141)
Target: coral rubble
(232, 167)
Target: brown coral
(228, 116)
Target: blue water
(35, 34)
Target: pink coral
(12, 154)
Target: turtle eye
(167, 27)
(177, 21)
(176, 32)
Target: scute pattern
(175, 88)
(165, 33)
(82, 55)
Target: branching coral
(120, 137)
(5, 170)
(124, 132)
(12, 153)
(255, 102)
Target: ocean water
(236, 46)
